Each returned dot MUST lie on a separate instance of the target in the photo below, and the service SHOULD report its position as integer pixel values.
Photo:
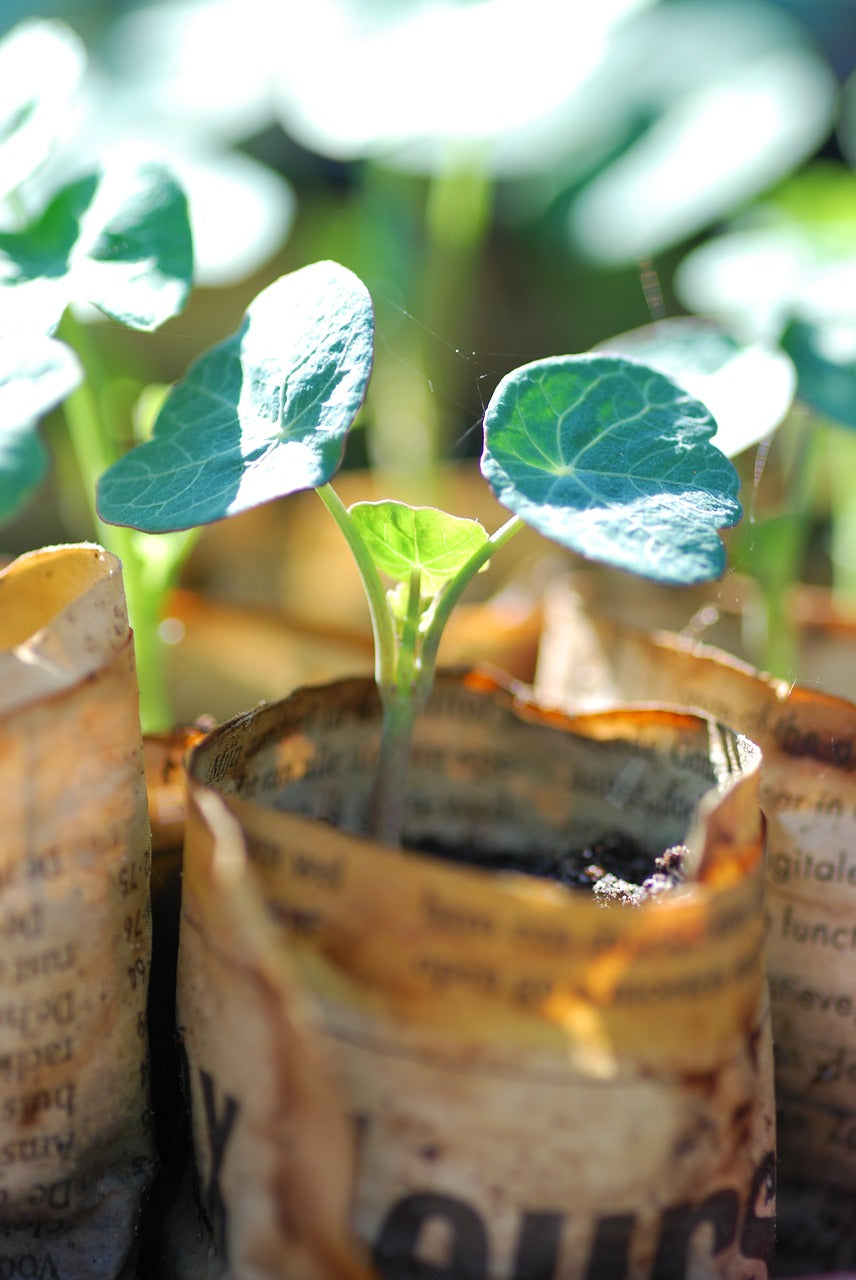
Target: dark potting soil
(613, 869)
(815, 1229)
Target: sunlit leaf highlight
(613, 460)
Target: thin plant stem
(455, 587)
(404, 662)
(95, 448)
(779, 546)
(457, 219)
(387, 800)
(381, 621)
(840, 460)
(403, 702)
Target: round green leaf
(403, 540)
(35, 374)
(825, 359)
(748, 388)
(119, 239)
(613, 460)
(259, 416)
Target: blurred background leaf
(510, 182)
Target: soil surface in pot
(612, 869)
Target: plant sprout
(601, 454)
(117, 238)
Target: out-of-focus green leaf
(41, 63)
(343, 62)
(736, 96)
(825, 360)
(23, 464)
(119, 239)
(36, 373)
(793, 254)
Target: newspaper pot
(76, 1155)
(808, 794)
(401, 1066)
(728, 614)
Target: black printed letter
(218, 1129)
(397, 1245)
(719, 1210)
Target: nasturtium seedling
(117, 239)
(602, 454)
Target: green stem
(407, 671)
(386, 804)
(841, 458)
(93, 443)
(404, 672)
(403, 702)
(777, 548)
(95, 448)
(387, 800)
(144, 611)
(382, 628)
(457, 220)
(454, 589)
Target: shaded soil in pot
(613, 868)
(815, 1230)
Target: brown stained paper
(808, 793)
(75, 1155)
(474, 1074)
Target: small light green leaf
(825, 359)
(259, 416)
(35, 374)
(41, 64)
(119, 239)
(747, 388)
(614, 461)
(403, 539)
